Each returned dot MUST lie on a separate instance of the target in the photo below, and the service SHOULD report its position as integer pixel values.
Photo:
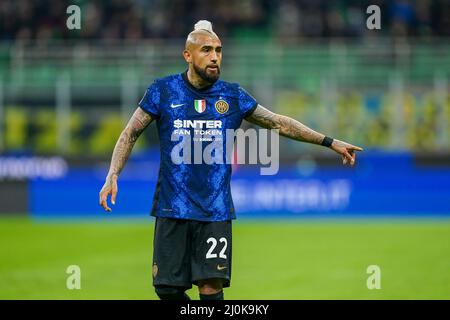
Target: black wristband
(327, 141)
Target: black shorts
(187, 251)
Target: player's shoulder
(226, 84)
(166, 81)
(236, 91)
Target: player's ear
(187, 56)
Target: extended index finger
(355, 148)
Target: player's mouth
(213, 68)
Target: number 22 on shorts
(213, 241)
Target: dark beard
(205, 76)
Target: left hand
(346, 150)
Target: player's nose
(214, 57)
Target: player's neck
(195, 80)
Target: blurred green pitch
(294, 259)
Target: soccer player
(192, 202)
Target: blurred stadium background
(65, 95)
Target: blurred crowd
(363, 118)
(45, 20)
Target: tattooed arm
(296, 130)
(138, 122)
(288, 127)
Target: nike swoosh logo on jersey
(177, 105)
(220, 268)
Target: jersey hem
(154, 115)
(197, 218)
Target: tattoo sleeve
(138, 122)
(288, 127)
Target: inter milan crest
(200, 105)
(221, 106)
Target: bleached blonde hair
(202, 27)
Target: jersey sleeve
(247, 104)
(150, 101)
